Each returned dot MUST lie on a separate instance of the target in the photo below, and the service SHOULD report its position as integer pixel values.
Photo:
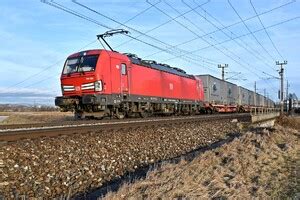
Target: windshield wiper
(80, 70)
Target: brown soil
(263, 164)
(35, 117)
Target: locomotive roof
(138, 61)
(159, 66)
(88, 52)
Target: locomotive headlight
(98, 86)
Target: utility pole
(223, 72)
(268, 100)
(254, 96)
(287, 95)
(281, 85)
(264, 96)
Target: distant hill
(26, 107)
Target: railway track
(65, 123)
(18, 132)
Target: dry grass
(35, 117)
(291, 122)
(263, 165)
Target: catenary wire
(63, 8)
(61, 60)
(181, 24)
(133, 29)
(211, 24)
(262, 24)
(247, 27)
(45, 68)
(244, 44)
(196, 34)
(228, 26)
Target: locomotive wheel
(120, 115)
(143, 114)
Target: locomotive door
(124, 78)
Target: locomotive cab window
(80, 64)
(123, 69)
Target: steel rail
(9, 135)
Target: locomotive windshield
(80, 64)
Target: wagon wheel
(78, 115)
(210, 111)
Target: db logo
(77, 88)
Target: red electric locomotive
(102, 83)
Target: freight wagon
(219, 95)
(245, 99)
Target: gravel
(67, 165)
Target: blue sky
(36, 38)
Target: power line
(45, 68)
(156, 47)
(133, 29)
(196, 34)
(265, 30)
(226, 27)
(167, 22)
(61, 60)
(250, 30)
(245, 44)
(213, 24)
(63, 8)
(204, 39)
(40, 81)
(121, 24)
(255, 31)
(138, 14)
(240, 36)
(211, 45)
